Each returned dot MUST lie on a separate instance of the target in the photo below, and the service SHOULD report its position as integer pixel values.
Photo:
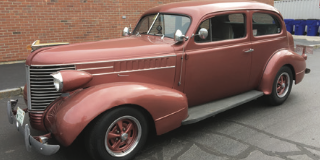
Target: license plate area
(20, 115)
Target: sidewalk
(12, 76)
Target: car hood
(121, 48)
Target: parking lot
(251, 131)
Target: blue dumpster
(289, 24)
(299, 26)
(313, 26)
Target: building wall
(24, 21)
(293, 9)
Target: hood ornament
(36, 45)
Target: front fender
(279, 59)
(67, 119)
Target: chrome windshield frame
(153, 23)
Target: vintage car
(182, 63)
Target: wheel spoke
(113, 135)
(129, 139)
(116, 145)
(129, 128)
(278, 89)
(281, 79)
(119, 123)
(281, 91)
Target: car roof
(200, 8)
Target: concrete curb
(11, 92)
(12, 62)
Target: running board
(201, 112)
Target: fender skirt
(279, 59)
(67, 118)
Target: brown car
(182, 63)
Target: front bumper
(30, 141)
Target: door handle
(119, 75)
(248, 51)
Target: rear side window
(223, 27)
(265, 24)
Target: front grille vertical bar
(28, 87)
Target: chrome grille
(42, 91)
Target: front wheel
(281, 88)
(117, 134)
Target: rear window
(265, 24)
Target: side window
(205, 24)
(265, 24)
(223, 27)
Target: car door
(267, 36)
(218, 66)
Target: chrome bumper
(30, 142)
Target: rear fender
(67, 119)
(279, 59)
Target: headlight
(70, 80)
(57, 81)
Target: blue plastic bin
(289, 24)
(313, 26)
(299, 26)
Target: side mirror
(203, 33)
(126, 32)
(179, 37)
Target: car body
(189, 55)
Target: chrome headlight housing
(57, 81)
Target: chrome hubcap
(124, 136)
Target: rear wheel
(281, 86)
(117, 134)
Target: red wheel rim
(282, 86)
(122, 136)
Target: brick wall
(24, 21)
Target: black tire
(280, 93)
(98, 143)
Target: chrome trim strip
(170, 114)
(45, 92)
(43, 89)
(49, 69)
(28, 87)
(41, 82)
(181, 70)
(40, 101)
(94, 68)
(300, 72)
(41, 104)
(38, 98)
(103, 61)
(49, 85)
(99, 74)
(154, 21)
(39, 112)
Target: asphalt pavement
(12, 75)
(252, 131)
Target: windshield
(162, 25)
